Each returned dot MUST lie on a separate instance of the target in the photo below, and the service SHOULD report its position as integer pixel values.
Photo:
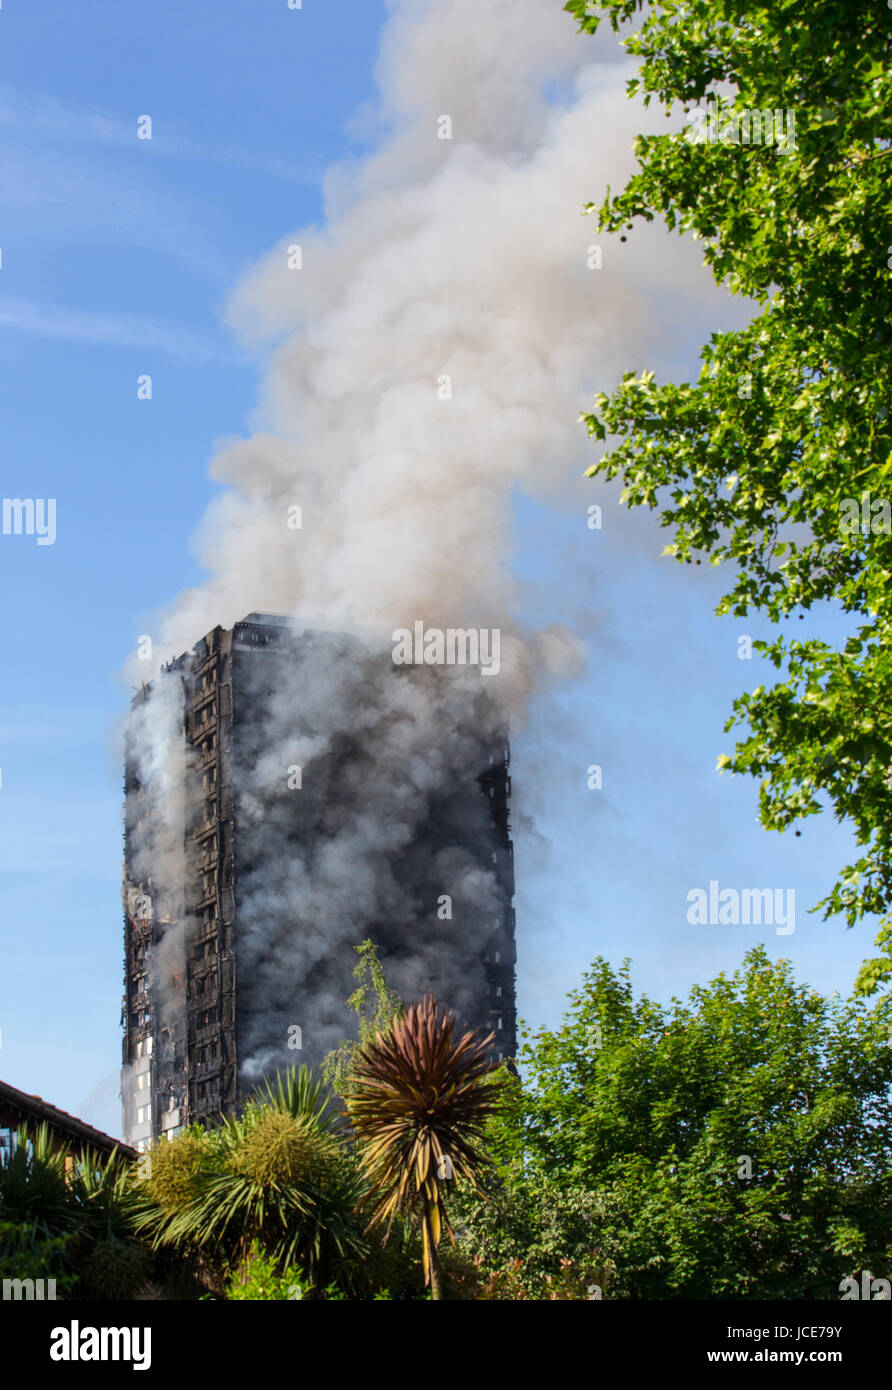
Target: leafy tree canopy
(734, 1145)
(779, 458)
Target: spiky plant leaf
(418, 1099)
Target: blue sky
(118, 257)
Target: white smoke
(157, 818)
(429, 358)
(461, 259)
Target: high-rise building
(288, 795)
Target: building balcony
(205, 998)
(203, 697)
(201, 726)
(205, 1071)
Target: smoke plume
(429, 349)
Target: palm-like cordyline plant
(34, 1186)
(276, 1173)
(418, 1100)
(74, 1210)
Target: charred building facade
(287, 795)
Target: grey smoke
(388, 818)
(428, 359)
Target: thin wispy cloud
(39, 114)
(116, 330)
(46, 115)
(47, 193)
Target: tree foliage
(736, 1145)
(375, 1005)
(753, 464)
(417, 1100)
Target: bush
(69, 1221)
(389, 1271)
(533, 1235)
(277, 1175)
(115, 1269)
(258, 1278)
(28, 1253)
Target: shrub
(26, 1252)
(115, 1268)
(277, 1175)
(175, 1168)
(258, 1277)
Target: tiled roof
(27, 1107)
